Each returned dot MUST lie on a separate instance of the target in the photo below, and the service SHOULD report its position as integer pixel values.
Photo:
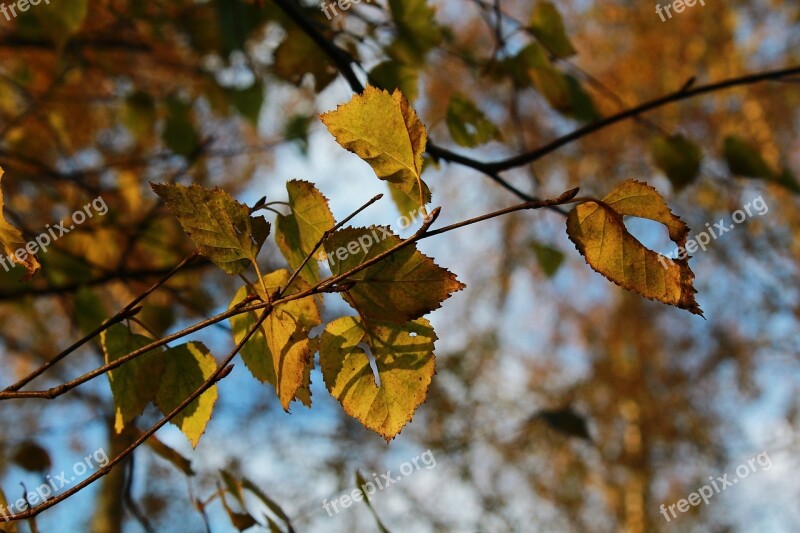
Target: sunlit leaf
(279, 352)
(298, 232)
(12, 240)
(221, 227)
(598, 231)
(186, 367)
(399, 288)
(404, 360)
(384, 130)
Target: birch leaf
(279, 352)
(135, 383)
(399, 288)
(598, 231)
(12, 240)
(298, 232)
(383, 130)
(221, 227)
(404, 360)
(186, 368)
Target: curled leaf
(599, 234)
(12, 242)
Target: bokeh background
(561, 402)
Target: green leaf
(385, 132)
(221, 227)
(467, 124)
(549, 258)
(399, 288)
(248, 102)
(406, 197)
(547, 26)
(417, 31)
(679, 158)
(299, 55)
(279, 352)
(135, 383)
(62, 19)
(89, 310)
(404, 360)
(393, 75)
(266, 500)
(12, 240)
(744, 159)
(139, 114)
(186, 368)
(297, 233)
(581, 105)
(179, 133)
(296, 130)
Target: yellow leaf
(383, 130)
(598, 231)
(11, 240)
(404, 360)
(297, 233)
(279, 352)
(402, 287)
(186, 368)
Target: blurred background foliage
(561, 403)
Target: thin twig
(126, 312)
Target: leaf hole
(651, 234)
(372, 363)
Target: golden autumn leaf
(402, 287)
(404, 360)
(12, 241)
(383, 130)
(279, 352)
(600, 235)
(186, 368)
(297, 233)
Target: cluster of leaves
(390, 296)
(390, 284)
